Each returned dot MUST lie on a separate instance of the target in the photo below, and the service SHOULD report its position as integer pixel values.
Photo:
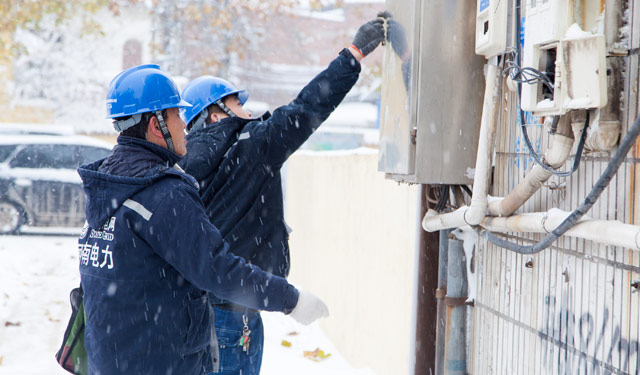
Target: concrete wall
(353, 243)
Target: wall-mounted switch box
(491, 27)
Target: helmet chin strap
(165, 131)
(122, 125)
(224, 108)
(202, 118)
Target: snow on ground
(37, 271)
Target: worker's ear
(154, 128)
(214, 117)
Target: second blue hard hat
(206, 90)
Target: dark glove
(369, 35)
(395, 34)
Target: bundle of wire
(530, 76)
(612, 168)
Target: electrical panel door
(432, 95)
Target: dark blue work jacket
(148, 255)
(237, 164)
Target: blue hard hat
(206, 90)
(143, 88)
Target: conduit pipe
(612, 168)
(476, 211)
(455, 356)
(478, 207)
(603, 231)
(441, 292)
(555, 157)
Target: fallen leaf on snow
(316, 355)
(1, 358)
(292, 333)
(9, 324)
(286, 343)
(6, 295)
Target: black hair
(139, 130)
(214, 108)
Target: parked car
(7, 128)
(39, 183)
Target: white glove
(309, 308)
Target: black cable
(518, 31)
(589, 201)
(467, 190)
(519, 75)
(443, 198)
(612, 168)
(538, 159)
(525, 134)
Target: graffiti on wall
(584, 342)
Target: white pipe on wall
(433, 221)
(603, 231)
(475, 212)
(555, 157)
(478, 207)
(601, 136)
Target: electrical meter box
(491, 27)
(574, 60)
(432, 95)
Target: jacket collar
(167, 156)
(231, 121)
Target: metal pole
(455, 346)
(441, 292)
(425, 347)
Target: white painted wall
(353, 244)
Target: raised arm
(292, 124)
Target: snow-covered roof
(357, 114)
(53, 139)
(27, 128)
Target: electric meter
(491, 27)
(573, 61)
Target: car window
(33, 156)
(63, 156)
(44, 156)
(5, 151)
(56, 156)
(88, 154)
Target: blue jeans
(229, 331)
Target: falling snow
(38, 271)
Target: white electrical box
(584, 71)
(574, 60)
(491, 27)
(546, 22)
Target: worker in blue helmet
(146, 95)
(237, 159)
(206, 90)
(148, 252)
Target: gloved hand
(309, 308)
(369, 36)
(396, 35)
